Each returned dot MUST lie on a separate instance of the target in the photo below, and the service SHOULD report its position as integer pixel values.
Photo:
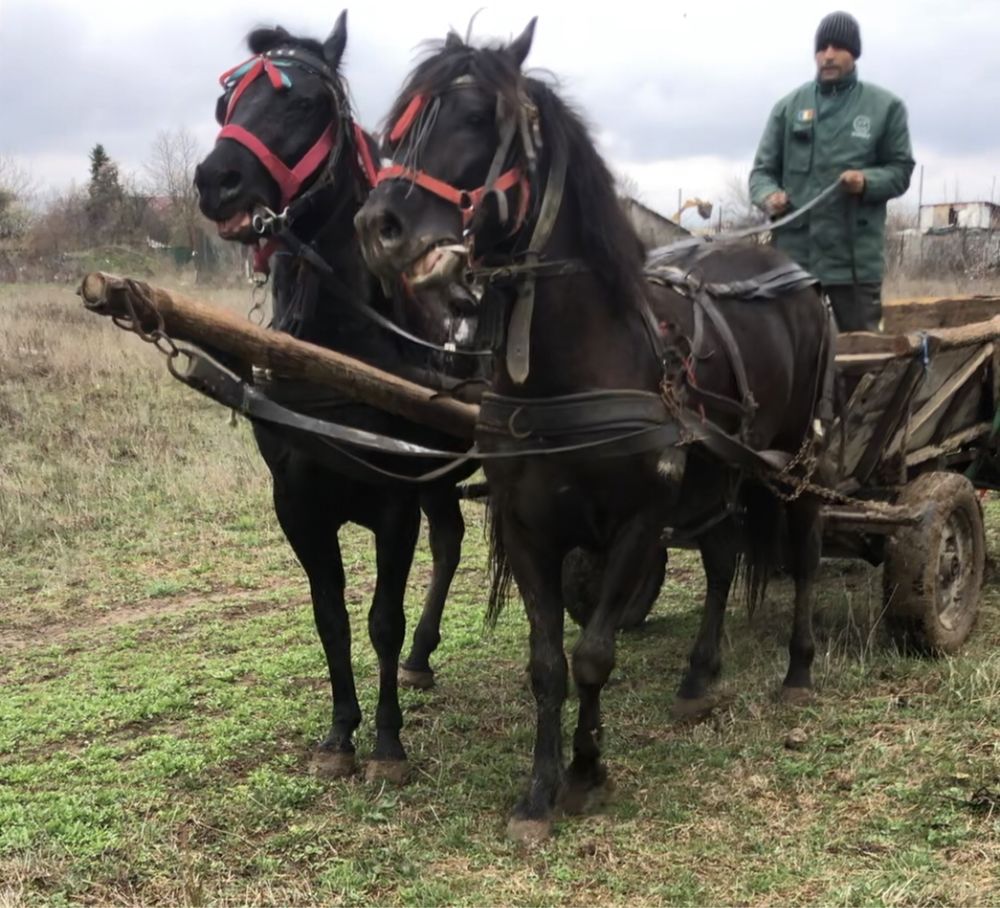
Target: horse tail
(762, 521)
(501, 575)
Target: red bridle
(289, 180)
(468, 201)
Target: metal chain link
(158, 336)
(258, 300)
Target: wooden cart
(916, 438)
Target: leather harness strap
(519, 327)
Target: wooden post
(189, 320)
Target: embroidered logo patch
(862, 127)
(805, 116)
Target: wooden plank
(857, 343)
(864, 410)
(889, 420)
(190, 320)
(885, 518)
(940, 397)
(948, 445)
(934, 339)
(862, 362)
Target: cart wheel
(933, 572)
(582, 574)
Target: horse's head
(284, 117)
(463, 137)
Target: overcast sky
(677, 90)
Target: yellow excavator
(704, 209)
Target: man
(836, 128)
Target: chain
(782, 484)
(157, 336)
(258, 299)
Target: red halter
(468, 201)
(289, 181)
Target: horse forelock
(261, 40)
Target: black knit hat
(840, 30)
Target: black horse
(289, 147)
(487, 155)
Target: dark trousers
(856, 307)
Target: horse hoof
(577, 799)
(415, 679)
(393, 771)
(333, 764)
(693, 709)
(528, 832)
(797, 696)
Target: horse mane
(610, 245)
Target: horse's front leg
(305, 503)
(395, 539)
(537, 567)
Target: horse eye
(476, 120)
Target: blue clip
(925, 350)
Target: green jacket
(815, 134)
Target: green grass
(163, 688)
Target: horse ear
(520, 47)
(333, 46)
(453, 40)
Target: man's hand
(853, 181)
(776, 203)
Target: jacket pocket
(800, 148)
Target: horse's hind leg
(445, 528)
(805, 547)
(396, 532)
(719, 553)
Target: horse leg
(594, 657)
(806, 539)
(719, 553)
(445, 528)
(537, 569)
(395, 539)
(303, 510)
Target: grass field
(162, 687)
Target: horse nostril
(389, 227)
(230, 182)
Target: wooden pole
(186, 319)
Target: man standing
(836, 127)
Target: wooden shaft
(189, 320)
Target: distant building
(946, 216)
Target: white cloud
(677, 91)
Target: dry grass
(160, 755)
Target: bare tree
(17, 187)
(170, 170)
(627, 187)
(735, 209)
